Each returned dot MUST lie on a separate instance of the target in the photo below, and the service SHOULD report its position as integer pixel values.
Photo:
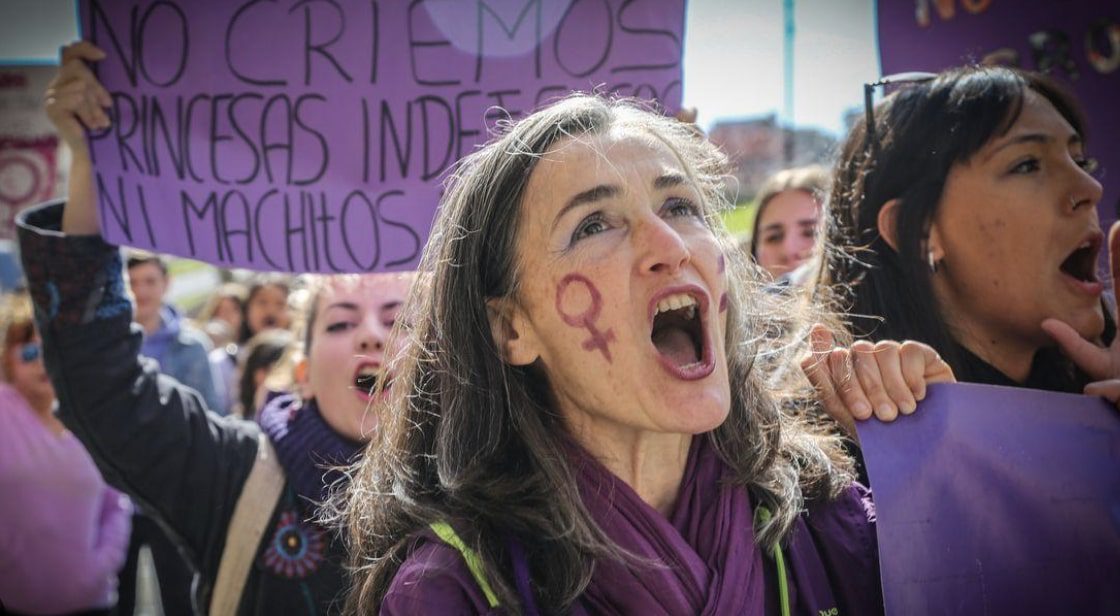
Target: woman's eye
(1027, 166)
(771, 239)
(1086, 163)
(682, 207)
(339, 326)
(587, 227)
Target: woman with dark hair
(965, 215)
(578, 423)
(266, 306)
(261, 353)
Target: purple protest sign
(305, 135)
(995, 500)
(1077, 42)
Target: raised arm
(76, 102)
(150, 436)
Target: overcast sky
(834, 54)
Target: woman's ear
(888, 223)
(513, 334)
(935, 250)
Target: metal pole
(787, 64)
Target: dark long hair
(262, 352)
(260, 283)
(469, 439)
(923, 130)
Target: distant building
(757, 148)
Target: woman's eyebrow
(598, 193)
(393, 305)
(342, 305)
(669, 180)
(1040, 138)
(608, 191)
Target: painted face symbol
(598, 339)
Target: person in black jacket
(154, 438)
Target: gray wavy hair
(469, 439)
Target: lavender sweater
(64, 532)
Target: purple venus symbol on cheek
(585, 320)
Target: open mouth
(1081, 264)
(368, 378)
(679, 334)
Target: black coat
(153, 438)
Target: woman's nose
(1085, 190)
(664, 250)
(370, 336)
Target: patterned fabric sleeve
(73, 280)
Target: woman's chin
(1089, 323)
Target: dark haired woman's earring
(932, 262)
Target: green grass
(740, 219)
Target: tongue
(676, 344)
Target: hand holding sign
(75, 100)
(883, 378)
(1100, 363)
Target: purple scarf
(306, 446)
(707, 544)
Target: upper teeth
(370, 372)
(676, 302)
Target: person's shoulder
(14, 411)
(11, 397)
(190, 336)
(434, 579)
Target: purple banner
(1075, 41)
(312, 135)
(994, 500)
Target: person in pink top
(64, 532)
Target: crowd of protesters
(570, 418)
